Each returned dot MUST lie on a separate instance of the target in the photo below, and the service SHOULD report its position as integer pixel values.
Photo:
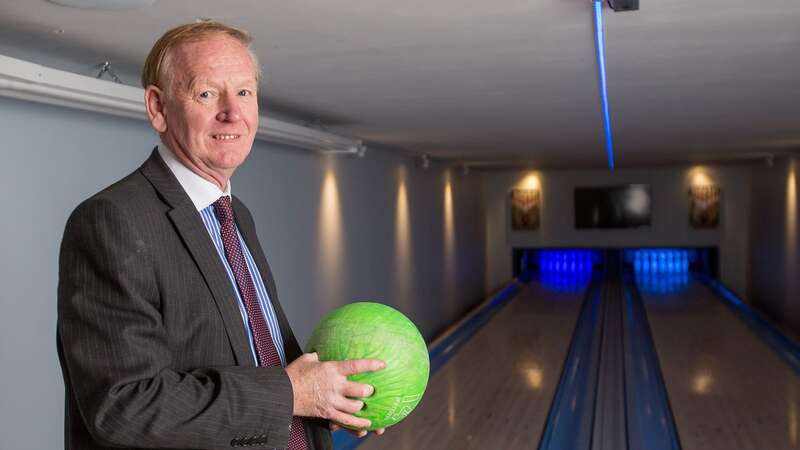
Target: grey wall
(775, 253)
(54, 158)
(670, 227)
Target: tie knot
(223, 210)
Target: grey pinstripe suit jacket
(150, 339)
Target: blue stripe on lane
(447, 347)
(786, 348)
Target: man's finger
(350, 421)
(350, 406)
(357, 390)
(353, 366)
(358, 433)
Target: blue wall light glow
(661, 270)
(567, 261)
(662, 260)
(566, 270)
(601, 67)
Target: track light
(358, 150)
(104, 5)
(105, 68)
(36, 83)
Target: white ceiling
(506, 82)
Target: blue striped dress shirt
(212, 224)
(203, 194)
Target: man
(170, 334)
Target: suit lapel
(247, 228)
(192, 231)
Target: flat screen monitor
(625, 206)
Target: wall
(669, 226)
(775, 253)
(427, 264)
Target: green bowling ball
(373, 330)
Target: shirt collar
(201, 191)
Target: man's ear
(154, 103)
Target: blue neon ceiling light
(601, 67)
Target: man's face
(211, 109)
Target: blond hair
(157, 67)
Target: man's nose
(230, 110)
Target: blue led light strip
(601, 67)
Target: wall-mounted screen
(612, 206)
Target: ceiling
(501, 83)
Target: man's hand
(356, 433)
(321, 389)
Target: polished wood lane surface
(728, 390)
(496, 390)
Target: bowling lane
(496, 390)
(728, 390)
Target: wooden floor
(496, 390)
(727, 389)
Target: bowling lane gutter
(611, 394)
(788, 350)
(445, 346)
(651, 423)
(569, 421)
(441, 349)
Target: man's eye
(205, 94)
(244, 92)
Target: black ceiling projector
(623, 5)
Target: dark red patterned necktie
(265, 346)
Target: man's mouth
(225, 137)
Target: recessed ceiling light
(104, 4)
